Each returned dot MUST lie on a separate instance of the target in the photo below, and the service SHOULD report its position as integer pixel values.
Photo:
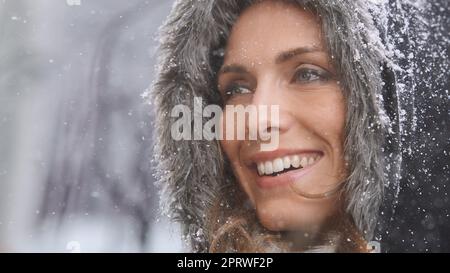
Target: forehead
(269, 27)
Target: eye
(310, 73)
(236, 89)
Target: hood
(192, 39)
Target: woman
(324, 65)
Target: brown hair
(233, 226)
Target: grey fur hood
(191, 173)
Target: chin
(293, 214)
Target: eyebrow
(287, 55)
(281, 58)
(233, 68)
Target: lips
(282, 167)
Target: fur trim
(190, 173)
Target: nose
(273, 114)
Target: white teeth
(279, 164)
(304, 162)
(268, 167)
(286, 162)
(295, 160)
(261, 168)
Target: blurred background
(75, 134)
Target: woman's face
(275, 56)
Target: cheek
(337, 113)
(229, 146)
(336, 116)
(322, 114)
(231, 149)
(325, 115)
(330, 125)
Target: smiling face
(275, 56)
